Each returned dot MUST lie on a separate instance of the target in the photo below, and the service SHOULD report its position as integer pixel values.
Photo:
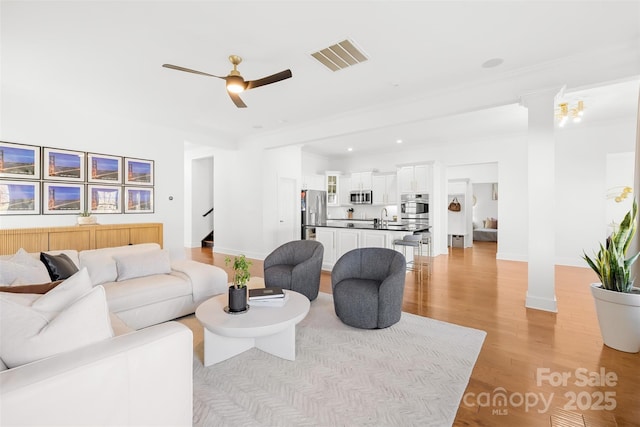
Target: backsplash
(361, 212)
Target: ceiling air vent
(340, 55)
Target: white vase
(86, 220)
(618, 317)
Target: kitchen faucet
(383, 214)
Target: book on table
(265, 294)
(271, 302)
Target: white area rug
(411, 374)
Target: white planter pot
(87, 220)
(619, 318)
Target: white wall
(476, 173)
(313, 163)
(246, 197)
(279, 163)
(581, 176)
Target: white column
(541, 209)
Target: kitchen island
(367, 224)
(340, 236)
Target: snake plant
(610, 263)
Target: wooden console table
(78, 237)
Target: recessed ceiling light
(349, 149)
(257, 126)
(493, 62)
(398, 141)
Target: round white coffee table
(271, 329)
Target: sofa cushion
(143, 291)
(22, 269)
(59, 266)
(28, 335)
(64, 294)
(101, 265)
(142, 264)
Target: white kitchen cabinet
(327, 236)
(346, 240)
(385, 189)
(374, 239)
(338, 241)
(332, 180)
(422, 176)
(415, 179)
(361, 181)
(313, 182)
(345, 184)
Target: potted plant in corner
(238, 288)
(617, 300)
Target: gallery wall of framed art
(38, 180)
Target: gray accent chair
(368, 284)
(295, 265)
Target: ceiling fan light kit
(235, 84)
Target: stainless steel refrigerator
(313, 205)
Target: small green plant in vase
(241, 273)
(85, 218)
(238, 288)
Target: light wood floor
(469, 287)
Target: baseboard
(512, 257)
(539, 303)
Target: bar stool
(413, 241)
(426, 241)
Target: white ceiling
(108, 55)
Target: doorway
(202, 209)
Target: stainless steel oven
(415, 208)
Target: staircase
(207, 242)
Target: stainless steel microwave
(361, 197)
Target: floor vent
(340, 55)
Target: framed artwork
(61, 198)
(63, 165)
(138, 200)
(19, 197)
(19, 161)
(104, 169)
(138, 171)
(104, 199)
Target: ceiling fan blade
(189, 70)
(236, 100)
(282, 75)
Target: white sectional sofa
(141, 373)
(139, 378)
(144, 287)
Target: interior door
(287, 227)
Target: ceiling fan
(235, 83)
